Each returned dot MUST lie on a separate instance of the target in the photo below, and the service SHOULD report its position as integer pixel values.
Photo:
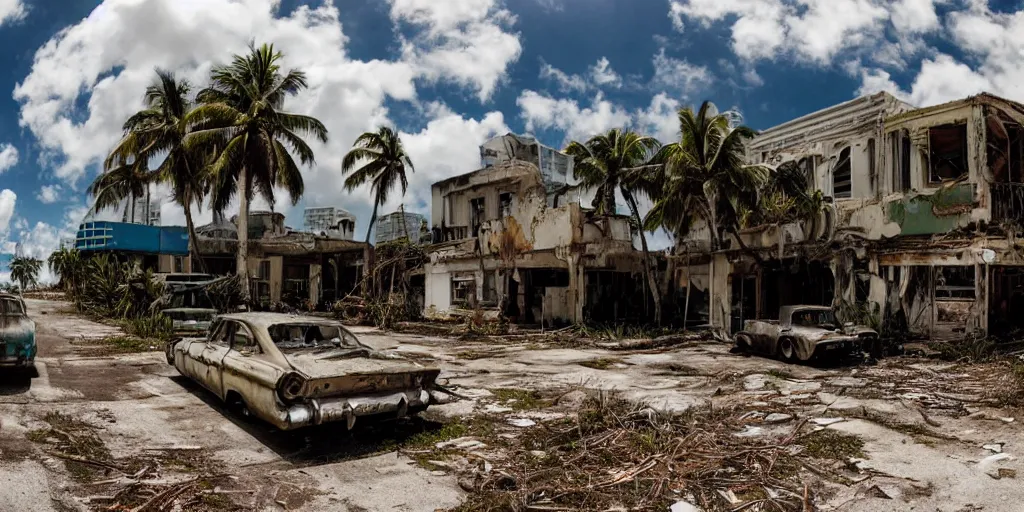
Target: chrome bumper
(330, 410)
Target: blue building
(161, 248)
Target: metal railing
(1007, 201)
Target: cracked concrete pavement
(928, 427)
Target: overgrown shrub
(156, 327)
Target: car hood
(320, 366)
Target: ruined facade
(919, 229)
(285, 265)
(507, 240)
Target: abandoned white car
(802, 333)
(294, 371)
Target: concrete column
(315, 277)
(720, 308)
(577, 288)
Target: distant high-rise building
(555, 166)
(398, 225)
(147, 213)
(331, 221)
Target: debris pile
(157, 479)
(613, 454)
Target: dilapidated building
(512, 237)
(922, 213)
(285, 265)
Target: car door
(207, 358)
(248, 372)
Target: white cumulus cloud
(49, 194)
(8, 199)
(8, 157)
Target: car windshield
(297, 336)
(814, 318)
(190, 299)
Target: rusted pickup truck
(802, 333)
(294, 371)
(17, 334)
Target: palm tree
(241, 115)
(704, 176)
(607, 163)
(25, 271)
(160, 129)
(66, 264)
(126, 180)
(385, 164)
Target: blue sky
(449, 74)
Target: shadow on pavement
(16, 381)
(319, 444)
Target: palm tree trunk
(149, 206)
(648, 275)
(373, 220)
(368, 271)
(686, 303)
(193, 241)
(242, 261)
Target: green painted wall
(916, 214)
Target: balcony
(1007, 201)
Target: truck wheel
(787, 350)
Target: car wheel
(742, 345)
(787, 350)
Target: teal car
(17, 334)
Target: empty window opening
(490, 288)
(901, 161)
(947, 152)
(463, 289)
(505, 204)
(842, 186)
(476, 214)
(954, 283)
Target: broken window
(947, 152)
(462, 287)
(179, 264)
(12, 308)
(263, 271)
(505, 202)
(305, 335)
(842, 185)
(954, 283)
(901, 161)
(476, 214)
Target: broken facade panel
(920, 228)
(508, 242)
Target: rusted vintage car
(802, 333)
(294, 371)
(17, 334)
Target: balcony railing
(1007, 201)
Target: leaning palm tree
(705, 176)
(607, 163)
(384, 165)
(160, 129)
(127, 180)
(25, 271)
(241, 115)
